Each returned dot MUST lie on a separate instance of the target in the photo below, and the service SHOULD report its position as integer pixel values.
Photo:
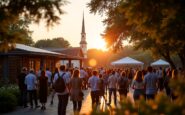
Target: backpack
(59, 84)
(123, 83)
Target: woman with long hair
(43, 89)
(138, 85)
(76, 91)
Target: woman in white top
(138, 85)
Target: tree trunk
(166, 56)
(181, 55)
(171, 62)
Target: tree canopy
(11, 11)
(52, 43)
(143, 21)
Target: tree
(147, 19)
(12, 10)
(21, 29)
(19, 33)
(52, 43)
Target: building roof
(21, 49)
(73, 52)
(63, 53)
(33, 49)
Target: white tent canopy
(160, 62)
(127, 61)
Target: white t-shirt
(94, 83)
(138, 85)
(112, 81)
(83, 74)
(151, 79)
(30, 81)
(48, 74)
(66, 80)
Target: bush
(9, 96)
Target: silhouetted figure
(43, 89)
(94, 85)
(31, 82)
(62, 97)
(23, 87)
(112, 84)
(151, 82)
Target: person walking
(76, 91)
(94, 85)
(161, 79)
(112, 84)
(62, 96)
(53, 88)
(151, 83)
(105, 78)
(22, 87)
(138, 86)
(83, 76)
(43, 89)
(49, 76)
(102, 88)
(31, 82)
(123, 85)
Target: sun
(99, 43)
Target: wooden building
(30, 57)
(75, 56)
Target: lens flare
(92, 62)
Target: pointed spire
(83, 34)
(83, 24)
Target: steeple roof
(83, 25)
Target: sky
(71, 25)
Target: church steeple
(83, 43)
(83, 25)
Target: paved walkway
(52, 109)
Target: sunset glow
(70, 29)
(92, 62)
(99, 43)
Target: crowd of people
(145, 83)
